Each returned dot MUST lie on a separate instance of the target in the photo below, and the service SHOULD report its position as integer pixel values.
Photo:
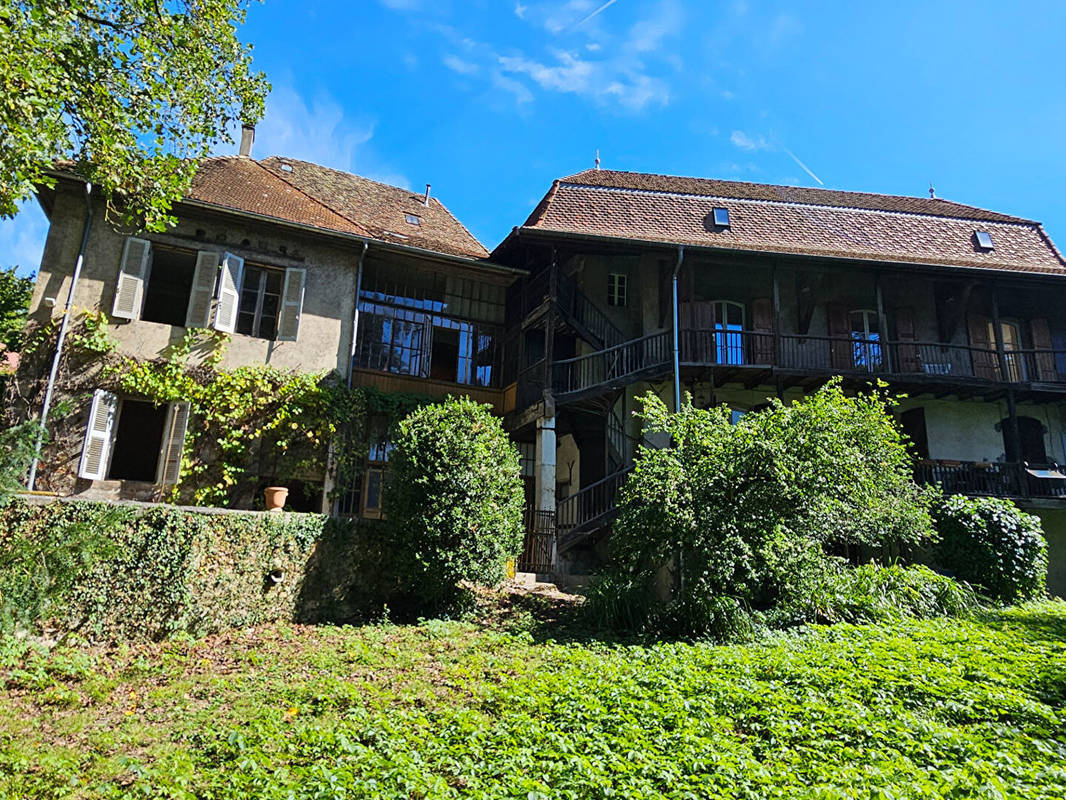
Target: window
(205, 288)
(720, 216)
(418, 324)
(728, 328)
(866, 339)
(170, 281)
(984, 240)
(616, 289)
(260, 302)
(130, 439)
(1012, 343)
(413, 219)
(378, 450)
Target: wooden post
(776, 289)
(882, 324)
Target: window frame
(617, 289)
(261, 292)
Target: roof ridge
(462, 225)
(344, 172)
(311, 197)
(588, 173)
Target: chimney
(247, 137)
(425, 201)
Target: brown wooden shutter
(762, 323)
(906, 354)
(983, 349)
(1040, 333)
(840, 347)
(697, 325)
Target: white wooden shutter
(96, 452)
(203, 290)
(229, 293)
(132, 276)
(292, 303)
(169, 469)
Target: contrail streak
(803, 166)
(597, 12)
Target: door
(1031, 436)
(866, 352)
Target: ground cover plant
(909, 709)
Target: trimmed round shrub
(453, 501)
(991, 544)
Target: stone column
(544, 465)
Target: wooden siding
(386, 382)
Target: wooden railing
(614, 366)
(994, 479)
(586, 315)
(593, 504)
(647, 355)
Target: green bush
(125, 571)
(990, 543)
(454, 499)
(730, 521)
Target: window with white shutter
(198, 314)
(229, 286)
(169, 470)
(99, 436)
(132, 276)
(292, 301)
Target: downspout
(63, 326)
(355, 313)
(677, 349)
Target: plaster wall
(325, 326)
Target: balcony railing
(624, 363)
(994, 479)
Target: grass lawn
(943, 708)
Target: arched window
(728, 328)
(866, 338)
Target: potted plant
(275, 497)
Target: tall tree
(129, 93)
(15, 294)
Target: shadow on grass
(1038, 621)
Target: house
(290, 259)
(772, 290)
(778, 289)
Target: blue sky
(491, 100)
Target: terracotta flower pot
(275, 497)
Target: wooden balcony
(750, 356)
(994, 479)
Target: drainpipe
(355, 313)
(63, 326)
(677, 349)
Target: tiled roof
(784, 219)
(380, 209)
(308, 194)
(243, 185)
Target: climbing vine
(246, 422)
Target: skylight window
(984, 240)
(413, 219)
(721, 218)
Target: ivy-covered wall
(146, 572)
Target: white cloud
(456, 64)
(603, 80)
(599, 10)
(22, 238)
(402, 5)
(520, 10)
(750, 143)
(318, 131)
(648, 34)
(517, 89)
(783, 26)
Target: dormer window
(413, 219)
(721, 218)
(984, 240)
